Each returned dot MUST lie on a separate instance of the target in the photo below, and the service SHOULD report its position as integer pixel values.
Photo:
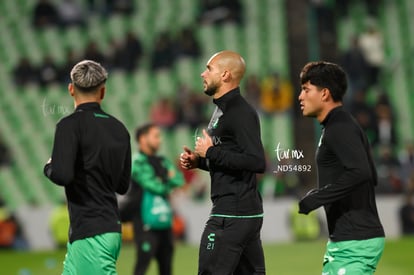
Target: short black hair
(143, 130)
(326, 75)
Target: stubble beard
(211, 90)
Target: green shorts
(353, 257)
(94, 255)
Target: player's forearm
(203, 164)
(59, 176)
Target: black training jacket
(91, 158)
(235, 158)
(346, 179)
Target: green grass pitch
(281, 259)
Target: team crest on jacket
(215, 123)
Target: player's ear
(102, 93)
(325, 94)
(71, 89)
(226, 75)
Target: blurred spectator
(70, 13)
(125, 7)
(93, 53)
(186, 44)
(10, 230)
(64, 72)
(372, 46)
(386, 133)
(44, 14)
(24, 73)
(5, 157)
(364, 114)
(126, 54)
(98, 6)
(276, 94)
(164, 114)
(372, 7)
(220, 11)
(325, 18)
(115, 54)
(179, 227)
(356, 68)
(407, 214)
(342, 7)
(48, 71)
(407, 165)
(190, 107)
(163, 56)
(252, 88)
(132, 52)
(389, 173)
(109, 7)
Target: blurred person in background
(389, 171)
(109, 7)
(92, 52)
(5, 156)
(191, 107)
(70, 61)
(220, 11)
(371, 42)
(125, 54)
(25, 73)
(48, 71)
(163, 56)
(356, 67)
(45, 14)
(8, 227)
(70, 13)
(164, 113)
(406, 159)
(91, 159)
(186, 44)
(386, 133)
(276, 94)
(132, 52)
(231, 150)
(407, 215)
(253, 91)
(365, 115)
(148, 204)
(347, 175)
(406, 212)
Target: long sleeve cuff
(47, 170)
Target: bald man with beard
(231, 150)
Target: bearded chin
(210, 91)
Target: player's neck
(224, 90)
(325, 111)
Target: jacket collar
(224, 100)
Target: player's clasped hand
(188, 159)
(202, 144)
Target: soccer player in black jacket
(231, 150)
(91, 158)
(346, 175)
